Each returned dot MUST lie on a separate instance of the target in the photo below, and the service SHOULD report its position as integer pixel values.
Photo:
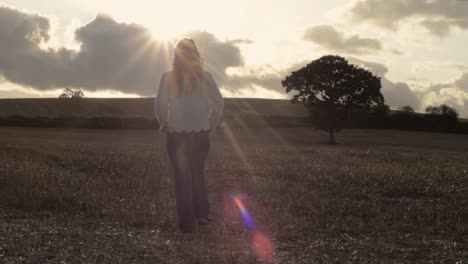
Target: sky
(111, 48)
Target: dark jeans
(188, 152)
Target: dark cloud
(437, 16)
(395, 94)
(328, 37)
(21, 36)
(118, 56)
(112, 55)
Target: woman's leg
(201, 147)
(178, 148)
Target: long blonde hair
(187, 60)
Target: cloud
(454, 93)
(21, 36)
(328, 37)
(395, 94)
(397, 52)
(264, 76)
(459, 67)
(439, 17)
(241, 41)
(452, 97)
(218, 55)
(399, 94)
(460, 84)
(118, 56)
(16, 93)
(111, 55)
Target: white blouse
(198, 111)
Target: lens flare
(248, 220)
(261, 243)
(262, 246)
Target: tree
(442, 110)
(381, 110)
(69, 93)
(444, 117)
(331, 88)
(406, 109)
(78, 94)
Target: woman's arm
(161, 104)
(217, 102)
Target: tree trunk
(332, 136)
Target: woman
(188, 107)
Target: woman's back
(189, 108)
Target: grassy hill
(135, 107)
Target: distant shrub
(69, 93)
(406, 109)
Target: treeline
(436, 119)
(441, 118)
(401, 121)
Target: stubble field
(106, 196)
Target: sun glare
(163, 33)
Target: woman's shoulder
(168, 76)
(167, 73)
(207, 74)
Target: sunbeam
(237, 148)
(157, 51)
